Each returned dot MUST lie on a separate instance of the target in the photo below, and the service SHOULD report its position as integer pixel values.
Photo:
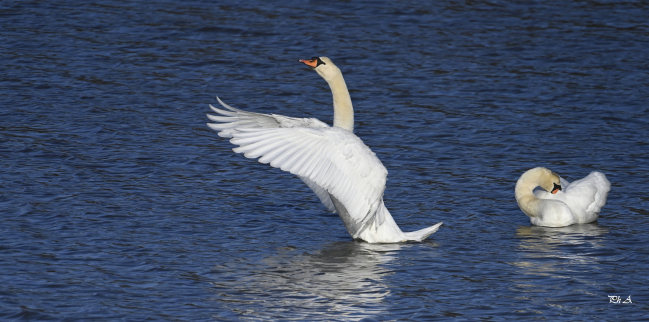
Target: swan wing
(230, 118)
(321, 192)
(333, 158)
(589, 193)
(585, 197)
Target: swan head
(548, 180)
(323, 66)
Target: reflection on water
(557, 252)
(537, 235)
(343, 279)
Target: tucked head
(548, 180)
(323, 66)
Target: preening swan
(343, 172)
(559, 203)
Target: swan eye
(556, 188)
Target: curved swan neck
(525, 192)
(343, 109)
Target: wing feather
(286, 159)
(329, 157)
(232, 120)
(261, 148)
(322, 194)
(273, 154)
(331, 161)
(246, 140)
(222, 112)
(219, 118)
(297, 156)
(303, 161)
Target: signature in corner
(616, 299)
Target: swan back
(551, 213)
(585, 197)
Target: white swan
(560, 203)
(343, 172)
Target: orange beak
(556, 188)
(309, 62)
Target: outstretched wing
(333, 158)
(232, 118)
(321, 192)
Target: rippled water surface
(118, 202)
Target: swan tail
(422, 234)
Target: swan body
(559, 203)
(343, 172)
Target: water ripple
(119, 203)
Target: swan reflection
(343, 279)
(546, 237)
(554, 252)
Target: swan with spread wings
(343, 172)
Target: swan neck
(343, 109)
(525, 194)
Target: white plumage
(578, 202)
(343, 172)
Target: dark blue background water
(117, 202)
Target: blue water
(118, 203)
